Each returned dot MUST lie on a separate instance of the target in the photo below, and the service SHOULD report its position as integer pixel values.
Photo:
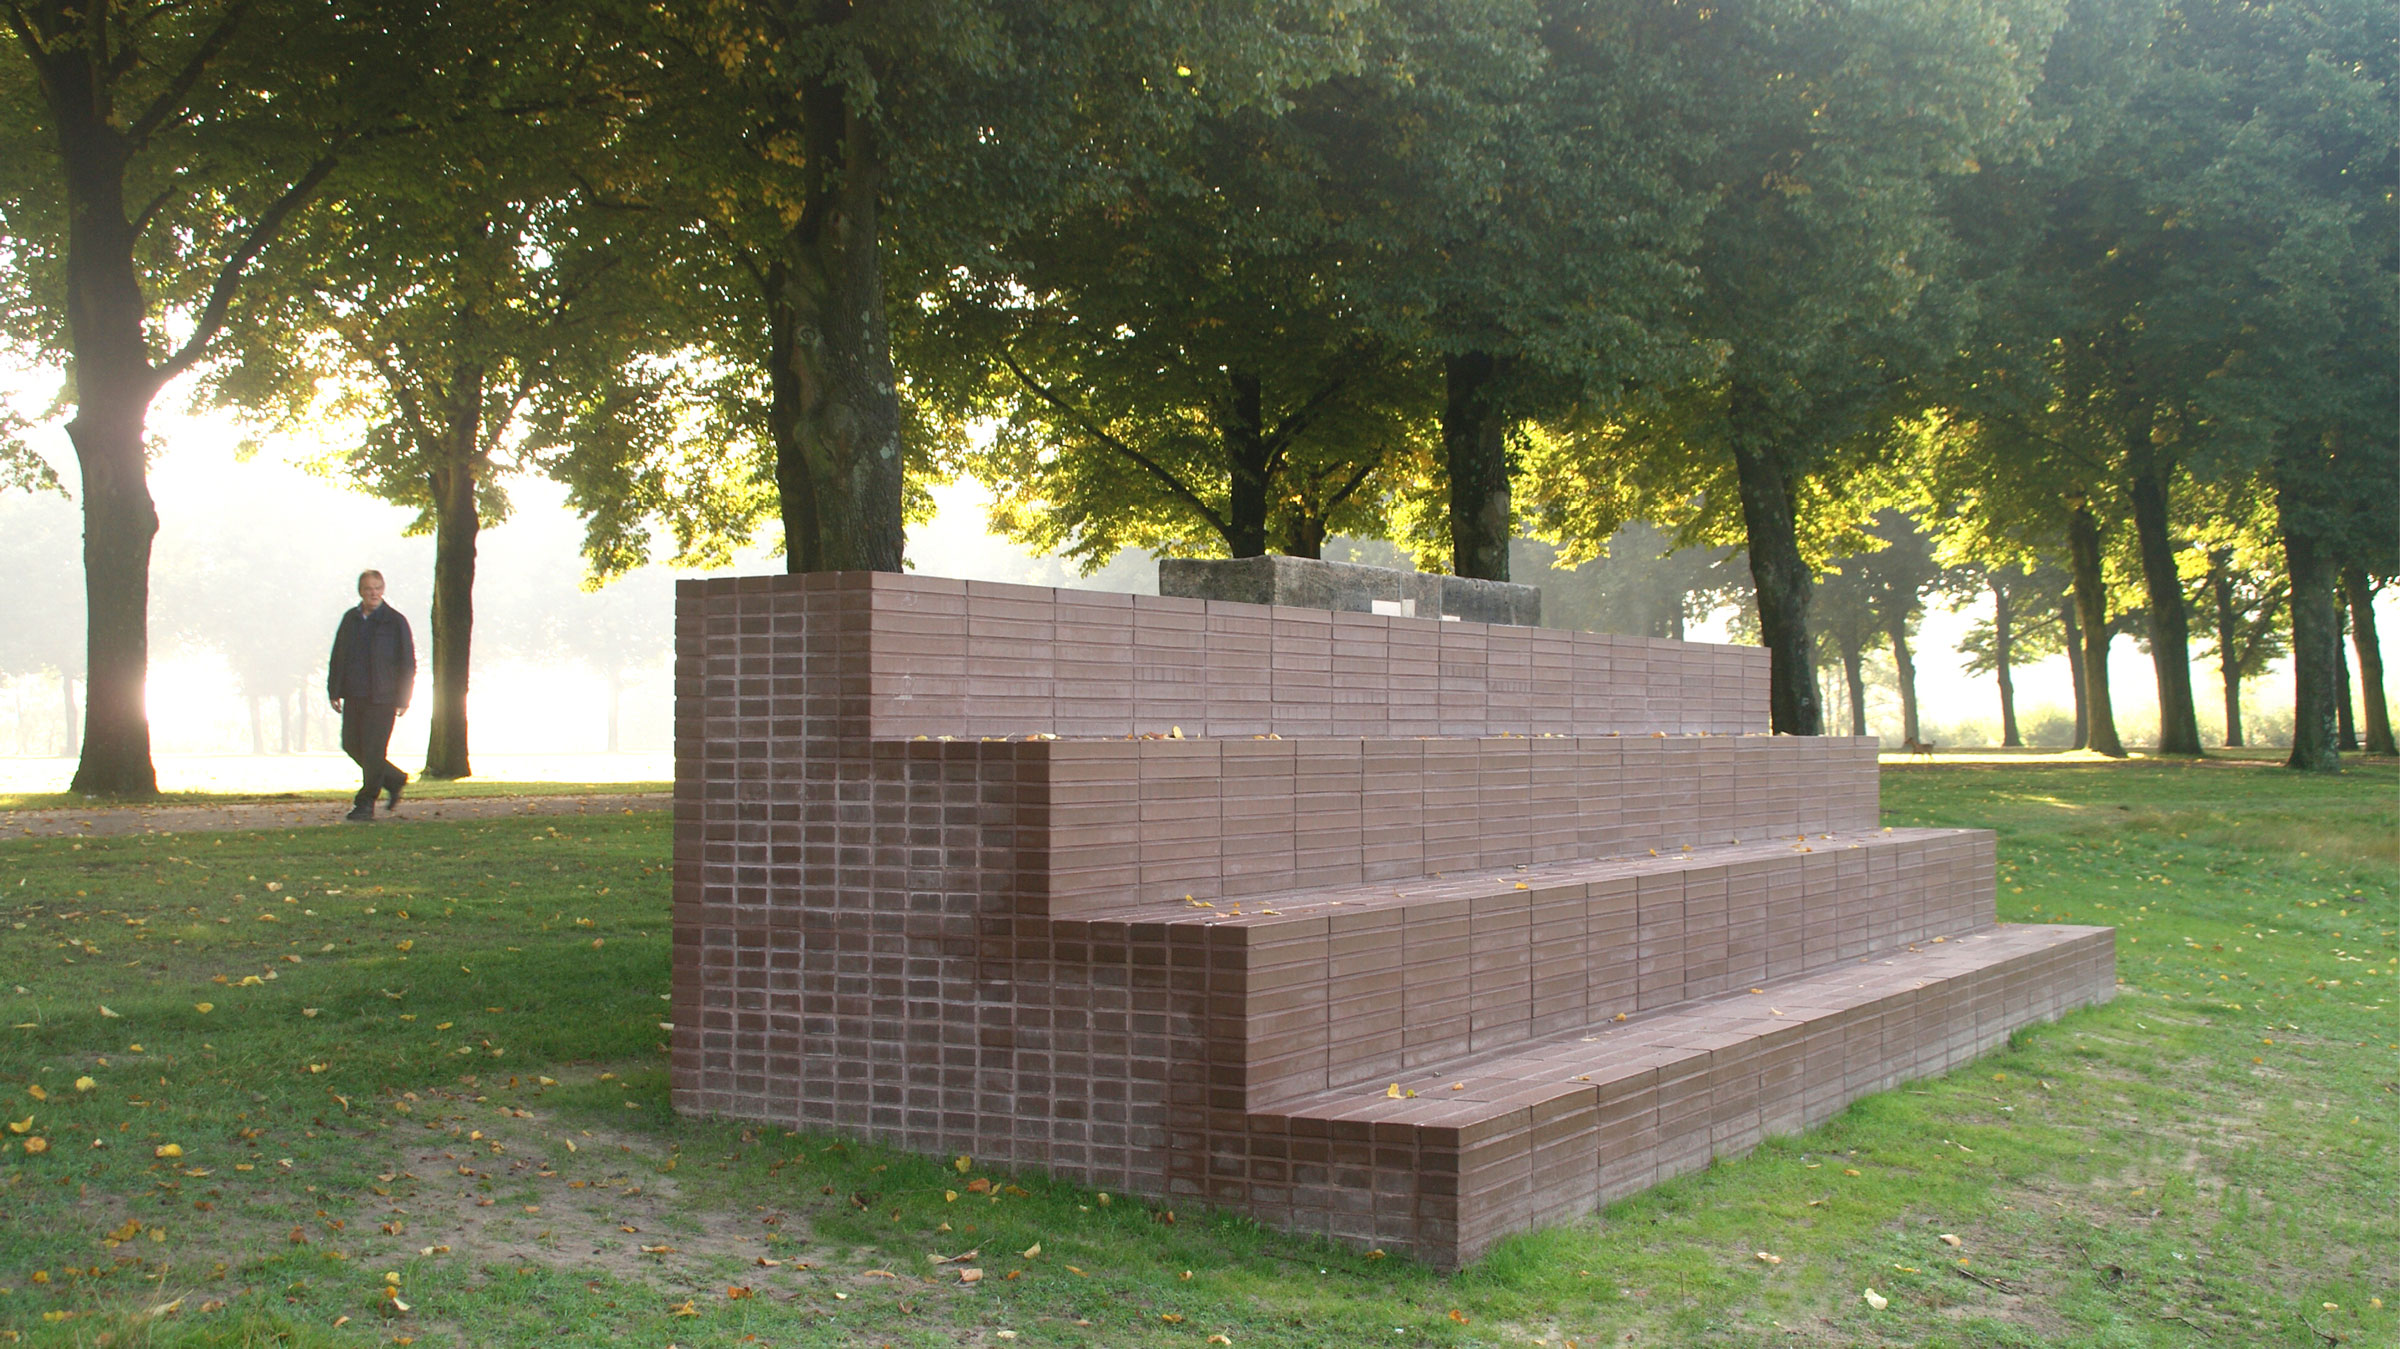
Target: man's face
(370, 593)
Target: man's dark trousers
(366, 737)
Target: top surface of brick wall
(897, 656)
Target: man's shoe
(391, 794)
(364, 814)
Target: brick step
(1312, 991)
(1492, 1143)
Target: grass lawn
(404, 1084)
(419, 789)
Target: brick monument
(1407, 932)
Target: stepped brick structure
(1411, 933)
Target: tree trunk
(2170, 631)
(457, 521)
(2229, 662)
(1904, 663)
(2003, 636)
(113, 387)
(1244, 434)
(1305, 537)
(452, 622)
(835, 406)
(1777, 572)
(2361, 598)
(2316, 638)
(258, 726)
(2091, 606)
(1475, 456)
(303, 707)
(1854, 686)
(2345, 725)
(2073, 633)
(67, 742)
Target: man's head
(370, 590)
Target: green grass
(451, 1031)
(419, 789)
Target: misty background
(257, 556)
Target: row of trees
(1234, 277)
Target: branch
(1172, 483)
(229, 277)
(158, 203)
(1357, 480)
(170, 99)
(354, 336)
(1280, 439)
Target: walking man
(372, 674)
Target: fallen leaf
(1458, 1316)
(738, 1291)
(1876, 1300)
(1770, 1259)
(204, 1008)
(970, 1276)
(86, 1084)
(167, 1150)
(1950, 1240)
(963, 1163)
(979, 1185)
(107, 1013)
(1171, 1318)
(1033, 1251)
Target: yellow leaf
(962, 1163)
(204, 1008)
(684, 1309)
(737, 1291)
(85, 1083)
(1171, 1318)
(970, 1276)
(1765, 1258)
(1950, 1240)
(21, 1126)
(1033, 1251)
(1392, 1091)
(405, 944)
(168, 1150)
(105, 1012)
(1218, 1339)
(1876, 1300)
(1458, 1316)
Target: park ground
(404, 1084)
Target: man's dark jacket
(374, 658)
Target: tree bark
(1475, 456)
(2072, 630)
(2345, 724)
(1854, 686)
(2229, 662)
(1243, 430)
(67, 743)
(457, 522)
(1904, 663)
(113, 387)
(2361, 599)
(2170, 631)
(1778, 574)
(835, 404)
(2091, 607)
(2003, 635)
(2316, 637)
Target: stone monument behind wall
(1407, 932)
